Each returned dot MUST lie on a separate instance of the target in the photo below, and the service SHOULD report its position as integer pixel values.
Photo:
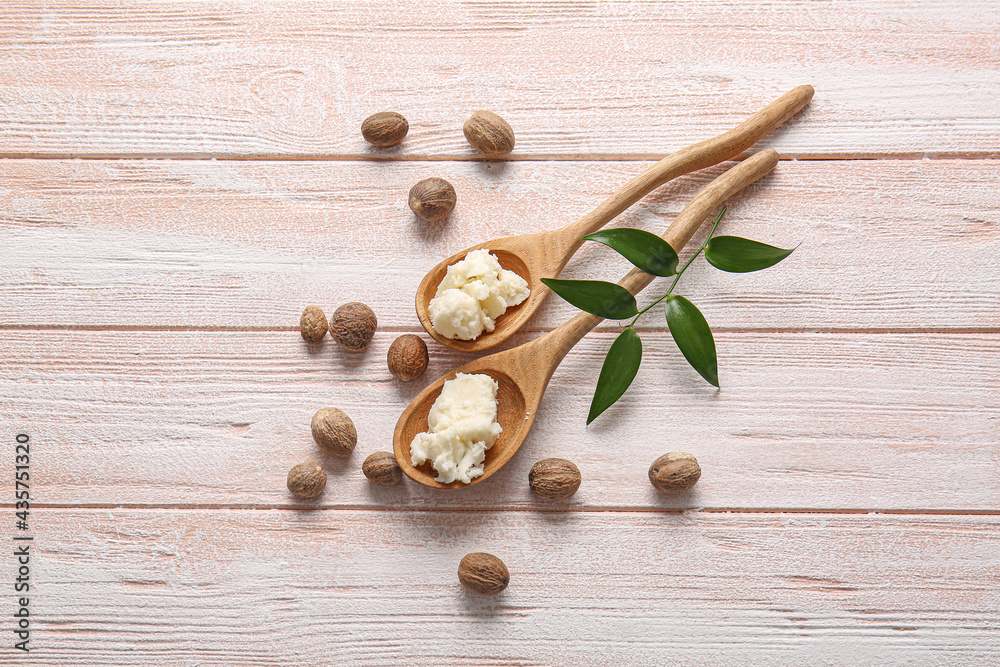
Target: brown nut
(432, 199)
(483, 574)
(334, 431)
(674, 472)
(489, 134)
(353, 325)
(313, 324)
(306, 480)
(385, 128)
(381, 468)
(554, 479)
(407, 358)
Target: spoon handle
(697, 156)
(554, 345)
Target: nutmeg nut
(381, 468)
(353, 325)
(385, 128)
(489, 134)
(306, 480)
(554, 479)
(407, 358)
(432, 199)
(313, 324)
(334, 431)
(674, 472)
(483, 574)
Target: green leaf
(739, 255)
(646, 251)
(596, 297)
(617, 373)
(693, 337)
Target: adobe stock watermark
(22, 542)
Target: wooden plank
(885, 244)
(804, 420)
(215, 587)
(609, 79)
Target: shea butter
(473, 294)
(462, 425)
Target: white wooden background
(849, 510)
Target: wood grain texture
(823, 421)
(885, 244)
(607, 79)
(245, 587)
(148, 312)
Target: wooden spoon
(523, 372)
(543, 255)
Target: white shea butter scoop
(474, 293)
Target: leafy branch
(687, 325)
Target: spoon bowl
(510, 253)
(514, 414)
(545, 254)
(523, 372)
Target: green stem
(683, 269)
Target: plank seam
(521, 510)
(540, 157)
